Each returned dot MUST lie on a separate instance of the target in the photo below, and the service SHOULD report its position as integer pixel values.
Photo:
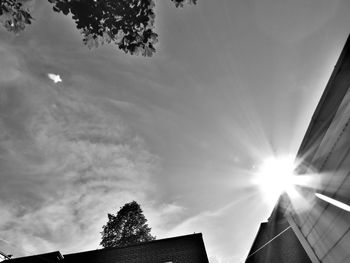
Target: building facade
(276, 241)
(320, 227)
(182, 249)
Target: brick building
(182, 249)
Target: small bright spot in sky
(275, 176)
(54, 77)
(333, 202)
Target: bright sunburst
(275, 176)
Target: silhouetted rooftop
(189, 248)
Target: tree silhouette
(129, 24)
(128, 227)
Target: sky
(183, 133)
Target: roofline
(255, 240)
(317, 126)
(41, 255)
(143, 243)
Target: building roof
(188, 248)
(163, 250)
(52, 257)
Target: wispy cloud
(215, 227)
(8, 66)
(66, 163)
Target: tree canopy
(126, 228)
(129, 24)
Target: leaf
(106, 37)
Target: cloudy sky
(183, 133)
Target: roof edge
(314, 126)
(194, 235)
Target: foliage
(13, 15)
(181, 3)
(128, 227)
(129, 24)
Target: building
(276, 242)
(181, 249)
(52, 257)
(320, 229)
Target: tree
(126, 228)
(129, 24)
(13, 15)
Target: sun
(275, 176)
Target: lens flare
(275, 176)
(333, 202)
